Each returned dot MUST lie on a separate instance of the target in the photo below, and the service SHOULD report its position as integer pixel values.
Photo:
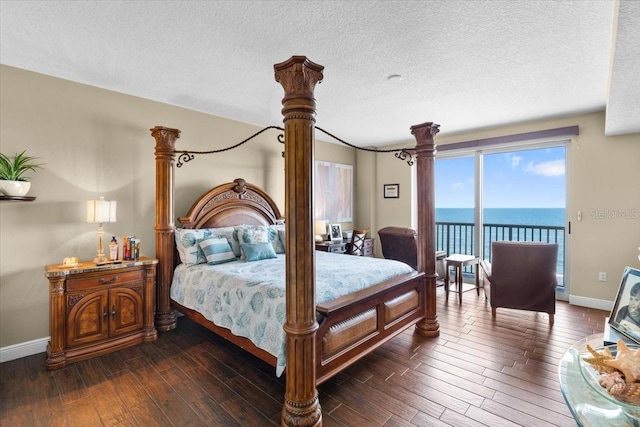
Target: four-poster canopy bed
(320, 339)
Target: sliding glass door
(506, 193)
(524, 198)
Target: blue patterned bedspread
(249, 297)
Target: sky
(516, 179)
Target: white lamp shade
(321, 227)
(101, 210)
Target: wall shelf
(17, 198)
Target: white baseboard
(23, 349)
(598, 304)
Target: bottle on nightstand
(113, 249)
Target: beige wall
(378, 169)
(97, 143)
(604, 180)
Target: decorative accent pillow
(257, 251)
(282, 237)
(187, 243)
(217, 251)
(250, 234)
(260, 234)
(276, 237)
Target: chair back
(400, 244)
(357, 242)
(523, 275)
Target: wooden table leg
(459, 276)
(477, 273)
(446, 281)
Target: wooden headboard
(230, 204)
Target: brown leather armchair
(522, 275)
(400, 244)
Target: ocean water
(461, 239)
(515, 216)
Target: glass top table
(588, 407)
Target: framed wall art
(333, 192)
(391, 191)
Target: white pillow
(260, 234)
(187, 243)
(250, 234)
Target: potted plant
(12, 170)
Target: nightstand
(368, 247)
(336, 247)
(342, 247)
(94, 310)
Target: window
(502, 190)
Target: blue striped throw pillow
(217, 251)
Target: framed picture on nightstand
(336, 232)
(625, 315)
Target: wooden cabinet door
(88, 317)
(125, 310)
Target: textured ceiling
(623, 103)
(464, 64)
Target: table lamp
(321, 229)
(98, 212)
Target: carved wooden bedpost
(298, 77)
(165, 318)
(425, 163)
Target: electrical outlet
(602, 276)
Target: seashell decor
(620, 376)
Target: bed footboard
(350, 327)
(354, 325)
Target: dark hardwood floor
(478, 372)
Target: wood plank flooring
(478, 372)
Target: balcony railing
(458, 238)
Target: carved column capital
(424, 134)
(56, 285)
(298, 76)
(165, 137)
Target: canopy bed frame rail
(315, 351)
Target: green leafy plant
(13, 169)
